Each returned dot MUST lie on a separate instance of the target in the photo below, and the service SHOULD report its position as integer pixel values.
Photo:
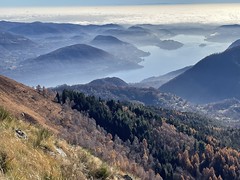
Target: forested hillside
(174, 144)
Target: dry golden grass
(24, 161)
(38, 157)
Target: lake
(163, 61)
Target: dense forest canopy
(171, 143)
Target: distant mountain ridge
(224, 33)
(40, 28)
(214, 78)
(144, 37)
(156, 82)
(13, 42)
(122, 50)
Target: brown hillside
(25, 102)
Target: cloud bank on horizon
(36, 3)
(167, 14)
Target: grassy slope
(18, 99)
(37, 156)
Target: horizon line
(108, 5)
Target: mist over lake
(192, 25)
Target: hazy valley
(164, 50)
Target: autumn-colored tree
(186, 161)
(209, 174)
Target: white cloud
(215, 13)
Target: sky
(36, 3)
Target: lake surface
(163, 61)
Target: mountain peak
(109, 81)
(214, 78)
(77, 51)
(234, 44)
(101, 39)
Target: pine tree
(58, 100)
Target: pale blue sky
(16, 3)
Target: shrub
(43, 134)
(4, 162)
(102, 173)
(48, 177)
(3, 114)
